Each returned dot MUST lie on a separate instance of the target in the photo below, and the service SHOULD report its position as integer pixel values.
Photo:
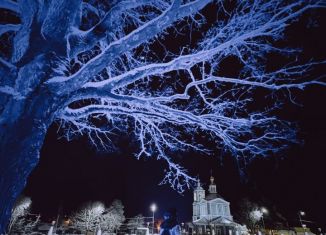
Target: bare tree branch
(9, 5)
(8, 27)
(60, 18)
(82, 41)
(132, 40)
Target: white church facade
(211, 213)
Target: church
(211, 213)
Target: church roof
(212, 196)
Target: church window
(214, 209)
(219, 209)
(225, 210)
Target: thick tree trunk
(18, 159)
(23, 129)
(20, 147)
(24, 121)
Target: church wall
(203, 210)
(211, 210)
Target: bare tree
(249, 213)
(255, 216)
(99, 68)
(26, 224)
(21, 209)
(88, 217)
(113, 217)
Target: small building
(211, 213)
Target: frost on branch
(173, 74)
(169, 96)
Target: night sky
(70, 173)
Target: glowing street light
(301, 213)
(153, 209)
(263, 211)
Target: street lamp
(301, 213)
(153, 209)
(263, 211)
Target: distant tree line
(92, 216)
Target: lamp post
(301, 213)
(153, 209)
(263, 211)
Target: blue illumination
(104, 69)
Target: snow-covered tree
(20, 210)
(168, 72)
(88, 217)
(256, 215)
(249, 213)
(113, 217)
(26, 224)
(22, 221)
(136, 222)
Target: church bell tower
(199, 193)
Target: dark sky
(71, 173)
